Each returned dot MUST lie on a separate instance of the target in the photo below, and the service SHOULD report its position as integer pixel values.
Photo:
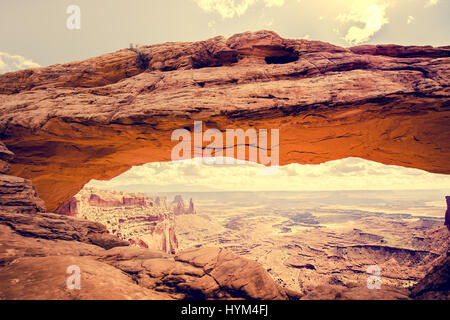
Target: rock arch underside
(96, 118)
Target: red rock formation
(138, 242)
(94, 119)
(5, 156)
(37, 249)
(129, 216)
(70, 208)
(161, 202)
(19, 195)
(135, 201)
(96, 201)
(392, 50)
(16, 194)
(191, 209)
(179, 207)
(34, 244)
(436, 284)
(447, 213)
(5, 153)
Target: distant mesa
(143, 221)
(179, 206)
(70, 208)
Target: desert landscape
(66, 125)
(310, 242)
(318, 244)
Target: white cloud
(371, 13)
(231, 8)
(410, 20)
(431, 3)
(9, 62)
(269, 23)
(212, 25)
(345, 174)
(274, 3)
(266, 21)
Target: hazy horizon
(344, 174)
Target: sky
(345, 174)
(36, 33)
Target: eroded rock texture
(447, 213)
(96, 118)
(179, 207)
(436, 284)
(36, 250)
(132, 217)
(16, 194)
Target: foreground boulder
(37, 248)
(199, 273)
(44, 278)
(33, 265)
(57, 227)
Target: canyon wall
(145, 221)
(94, 119)
(179, 207)
(16, 194)
(447, 213)
(142, 220)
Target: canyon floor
(318, 243)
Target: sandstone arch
(96, 118)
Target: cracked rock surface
(33, 265)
